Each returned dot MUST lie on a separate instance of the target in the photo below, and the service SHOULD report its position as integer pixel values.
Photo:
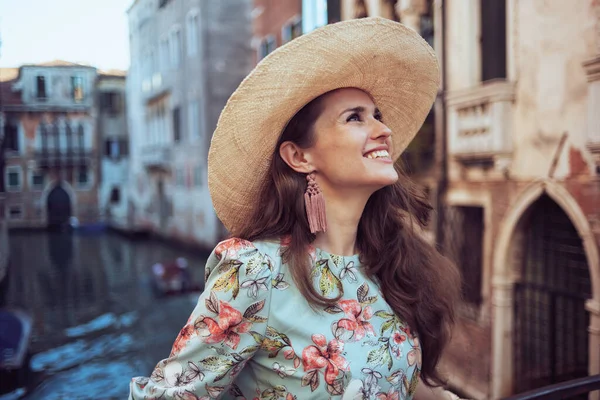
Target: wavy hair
(420, 284)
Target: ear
(296, 157)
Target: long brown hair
(418, 283)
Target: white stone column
(502, 335)
(593, 307)
(410, 12)
(592, 69)
(348, 9)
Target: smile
(377, 154)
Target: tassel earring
(315, 205)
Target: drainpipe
(441, 124)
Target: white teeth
(378, 154)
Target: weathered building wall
(51, 112)
(522, 95)
(113, 145)
(187, 58)
(536, 143)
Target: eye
(353, 117)
(378, 116)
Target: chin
(386, 180)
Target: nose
(381, 130)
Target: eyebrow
(359, 109)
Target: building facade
(50, 147)
(111, 127)
(274, 23)
(517, 164)
(521, 99)
(187, 57)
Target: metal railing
(61, 158)
(563, 390)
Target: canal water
(96, 320)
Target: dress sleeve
(223, 332)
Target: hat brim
(386, 59)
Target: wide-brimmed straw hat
(386, 59)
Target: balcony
(63, 158)
(480, 124)
(156, 87)
(592, 69)
(157, 157)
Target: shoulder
(236, 247)
(256, 257)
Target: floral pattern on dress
(356, 325)
(328, 356)
(253, 336)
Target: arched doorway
(508, 262)
(550, 340)
(58, 206)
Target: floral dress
(253, 335)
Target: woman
(327, 290)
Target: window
(152, 63)
(124, 147)
(164, 53)
(111, 102)
(291, 30)
(334, 11)
(112, 148)
(267, 45)
(37, 181)
(77, 88)
(463, 244)
(198, 174)
(115, 148)
(179, 177)
(115, 195)
(192, 34)
(83, 178)
(11, 136)
(286, 33)
(15, 212)
(493, 40)
(176, 125)
(13, 178)
(41, 87)
(193, 123)
(297, 29)
(81, 137)
(175, 48)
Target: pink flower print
(392, 394)
(398, 338)
(325, 355)
(231, 247)
(184, 336)
(228, 328)
(414, 356)
(356, 319)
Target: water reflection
(89, 293)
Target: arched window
(192, 33)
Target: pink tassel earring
(315, 205)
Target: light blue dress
(252, 335)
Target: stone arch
(503, 280)
(49, 187)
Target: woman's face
(352, 145)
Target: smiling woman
(326, 289)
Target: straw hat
(384, 58)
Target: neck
(343, 215)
